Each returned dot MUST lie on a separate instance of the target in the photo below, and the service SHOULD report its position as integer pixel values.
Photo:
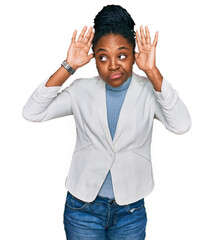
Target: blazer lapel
(129, 102)
(99, 97)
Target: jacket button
(111, 154)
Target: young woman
(111, 170)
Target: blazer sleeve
(47, 103)
(170, 109)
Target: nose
(113, 65)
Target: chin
(116, 83)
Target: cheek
(129, 65)
(130, 62)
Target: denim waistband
(111, 201)
(104, 200)
(98, 199)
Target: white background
(35, 157)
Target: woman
(111, 170)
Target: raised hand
(77, 55)
(145, 59)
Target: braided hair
(113, 19)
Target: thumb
(136, 55)
(91, 56)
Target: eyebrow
(102, 49)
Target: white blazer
(128, 156)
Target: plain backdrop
(35, 157)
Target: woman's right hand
(77, 55)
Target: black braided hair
(113, 19)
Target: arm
(77, 56)
(58, 78)
(145, 59)
(169, 108)
(46, 102)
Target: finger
(142, 35)
(90, 40)
(87, 37)
(80, 39)
(148, 38)
(155, 39)
(74, 36)
(139, 44)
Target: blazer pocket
(139, 153)
(82, 147)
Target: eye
(122, 56)
(103, 58)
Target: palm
(78, 51)
(145, 59)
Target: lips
(115, 76)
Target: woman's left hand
(145, 59)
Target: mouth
(115, 76)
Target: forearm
(170, 109)
(156, 78)
(46, 103)
(58, 78)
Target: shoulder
(147, 89)
(82, 84)
(143, 82)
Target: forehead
(112, 42)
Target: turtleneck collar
(124, 86)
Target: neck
(122, 87)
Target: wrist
(72, 64)
(156, 78)
(152, 71)
(68, 67)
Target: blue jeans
(104, 219)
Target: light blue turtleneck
(114, 101)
